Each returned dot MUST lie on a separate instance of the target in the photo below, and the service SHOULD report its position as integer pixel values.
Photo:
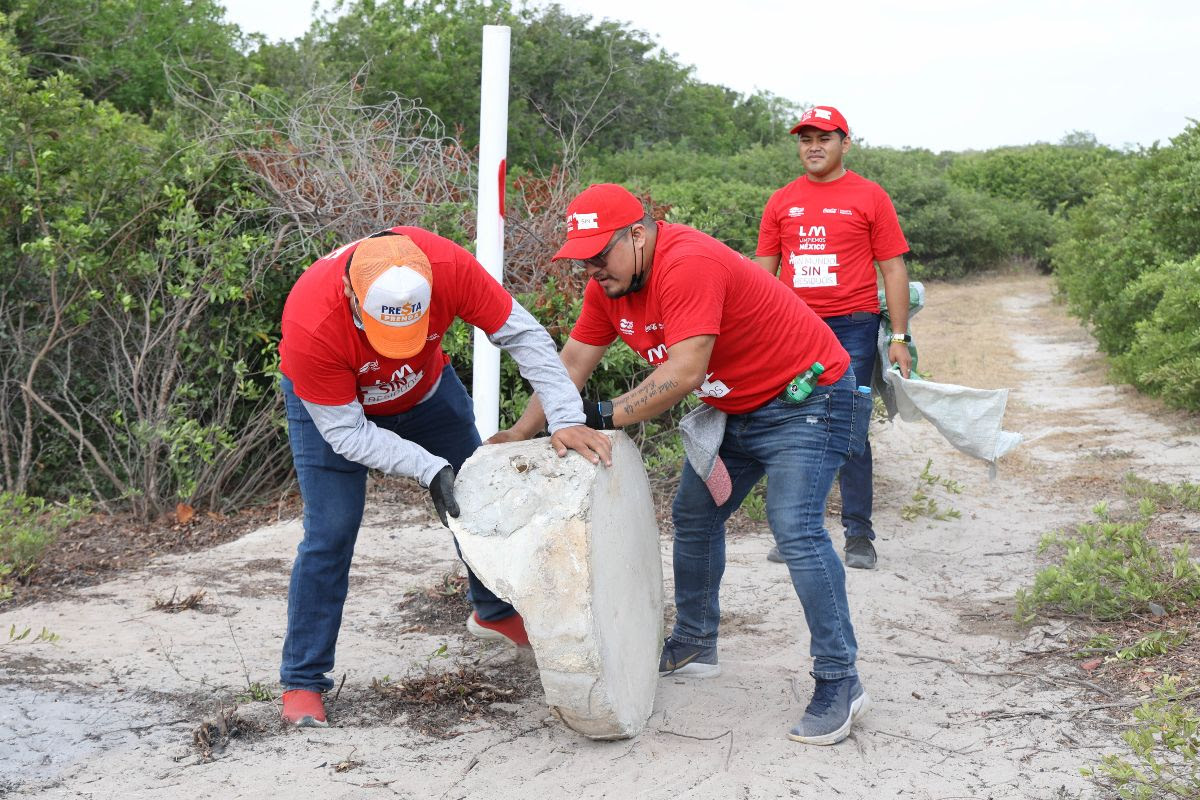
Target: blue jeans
(800, 448)
(334, 492)
(858, 333)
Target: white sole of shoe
(693, 670)
(308, 722)
(480, 632)
(857, 709)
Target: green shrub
(28, 525)
(1054, 178)
(1108, 571)
(1146, 218)
(1164, 355)
(1165, 741)
(1164, 496)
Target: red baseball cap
(393, 281)
(594, 214)
(826, 118)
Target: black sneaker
(860, 553)
(773, 555)
(688, 660)
(834, 707)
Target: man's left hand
(441, 489)
(591, 444)
(898, 354)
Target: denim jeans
(334, 492)
(858, 333)
(799, 448)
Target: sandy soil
(129, 700)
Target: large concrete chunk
(574, 547)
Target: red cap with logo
(826, 118)
(594, 214)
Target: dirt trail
(110, 709)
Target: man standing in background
(827, 230)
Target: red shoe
(304, 709)
(510, 629)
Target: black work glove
(441, 489)
(598, 414)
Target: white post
(489, 237)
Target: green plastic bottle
(802, 385)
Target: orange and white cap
(393, 283)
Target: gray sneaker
(834, 707)
(860, 553)
(773, 555)
(688, 660)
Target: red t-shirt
(698, 286)
(829, 236)
(330, 360)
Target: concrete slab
(574, 547)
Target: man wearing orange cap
(713, 324)
(367, 385)
(834, 227)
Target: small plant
(256, 693)
(923, 503)
(1164, 496)
(1157, 643)
(440, 652)
(28, 525)
(1101, 643)
(755, 504)
(44, 636)
(1109, 570)
(1165, 741)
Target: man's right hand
(591, 444)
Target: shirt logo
(402, 381)
(653, 326)
(813, 271)
(829, 211)
(627, 327)
(711, 388)
(657, 353)
(795, 211)
(370, 366)
(848, 212)
(581, 222)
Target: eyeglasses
(600, 260)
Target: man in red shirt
(367, 385)
(714, 325)
(828, 229)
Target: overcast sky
(941, 74)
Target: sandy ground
(112, 707)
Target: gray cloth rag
(702, 431)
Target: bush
(1053, 178)
(1165, 741)
(1146, 217)
(1109, 570)
(1164, 355)
(28, 525)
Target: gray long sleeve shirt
(354, 437)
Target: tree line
(167, 177)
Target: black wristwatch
(598, 415)
(606, 414)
